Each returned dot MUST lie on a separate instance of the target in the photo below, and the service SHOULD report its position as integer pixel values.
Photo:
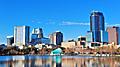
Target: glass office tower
(38, 31)
(96, 25)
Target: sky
(71, 17)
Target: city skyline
(65, 16)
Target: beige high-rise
(113, 34)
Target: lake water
(58, 61)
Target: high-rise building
(40, 41)
(10, 40)
(21, 35)
(89, 37)
(38, 31)
(56, 38)
(104, 36)
(97, 21)
(38, 38)
(114, 34)
(96, 25)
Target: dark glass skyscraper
(96, 25)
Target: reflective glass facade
(38, 31)
(89, 36)
(104, 36)
(96, 25)
(34, 36)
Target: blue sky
(68, 16)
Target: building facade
(56, 38)
(114, 35)
(40, 41)
(104, 36)
(89, 37)
(10, 40)
(21, 35)
(38, 31)
(97, 25)
(71, 44)
(81, 41)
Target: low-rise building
(81, 41)
(68, 44)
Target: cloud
(85, 24)
(68, 23)
(75, 23)
(35, 21)
(108, 25)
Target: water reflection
(58, 61)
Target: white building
(21, 35)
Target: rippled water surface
(58, 61)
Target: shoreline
(82, 55)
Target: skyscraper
(114, 35)
(56, 38)
(38, 31)
(96, 25)
(21, 35)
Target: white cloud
(85, 24)
(75, 23)
(36, 21)
(107, 25)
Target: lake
(58, 61)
